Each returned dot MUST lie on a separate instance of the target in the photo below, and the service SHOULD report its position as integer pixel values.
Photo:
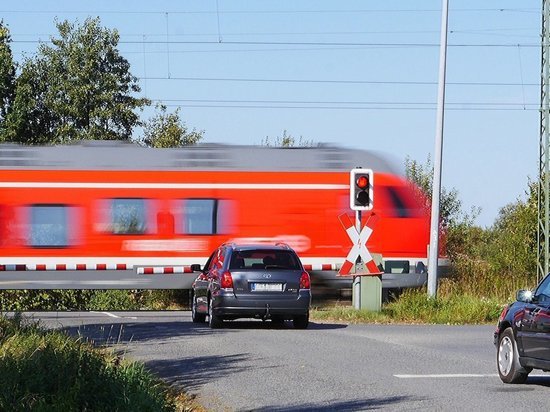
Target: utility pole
(438, 153)
(543, 228)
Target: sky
(359, 74)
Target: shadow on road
(343, 406)
(255, 324)
(528, 386)
(194, 372)
(123, 333)
(326, 326)
(105, 334)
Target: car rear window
(264, 259)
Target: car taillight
(305, 283)
(227, 281)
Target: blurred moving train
(119, 206)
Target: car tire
(509, 368)
(195, 316)
(215, 322)
(301, 321)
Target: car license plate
(267, 287)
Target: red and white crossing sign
(359, 241)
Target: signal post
(367, 278)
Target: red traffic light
(362, 182)
(361, 189)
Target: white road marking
(457, 375)
(112, 315)
(107, 314)
(446, 375)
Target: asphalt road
(328, 367)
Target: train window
(200, 216)
(6, 225)
(129, 216)
(399, 206)
(400, 202)
(49, 226)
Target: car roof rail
(229, 244)
(282, 244)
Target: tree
(29, 121)
(513, 245)
(460, 234)
(168, 130)
(451, 213)
(78, 88)
(7, 73)
(287, 140)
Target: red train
(118, 206)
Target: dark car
(522, 336)
(252, 281)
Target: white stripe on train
(122, 185)
(140, 270)
(153, 265)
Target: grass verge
(414, 306)
(49, 371)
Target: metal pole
(357, 279)
(543, 227)
(438, 152)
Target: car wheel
(509, 368)
(214, 321)
(197, 317)
(301, 321)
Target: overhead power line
(486, 31)
(304, 11)
(227, 106)
(289, 43)
(335, 81)
(348, 102)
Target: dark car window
(217, 259)
(264, 259)
(542, 294)
(207, 264)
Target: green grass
(49, 371)
(414, 306)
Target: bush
(21, 300)
(414, 306)
(165, 299)
(24, 300)
(42, 370)
(112, 300)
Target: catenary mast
(543, 228)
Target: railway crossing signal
(360, 194)
(359, 240)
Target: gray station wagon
(252, 281)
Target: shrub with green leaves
(41, 370)
(112, 300)
(414, 306)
